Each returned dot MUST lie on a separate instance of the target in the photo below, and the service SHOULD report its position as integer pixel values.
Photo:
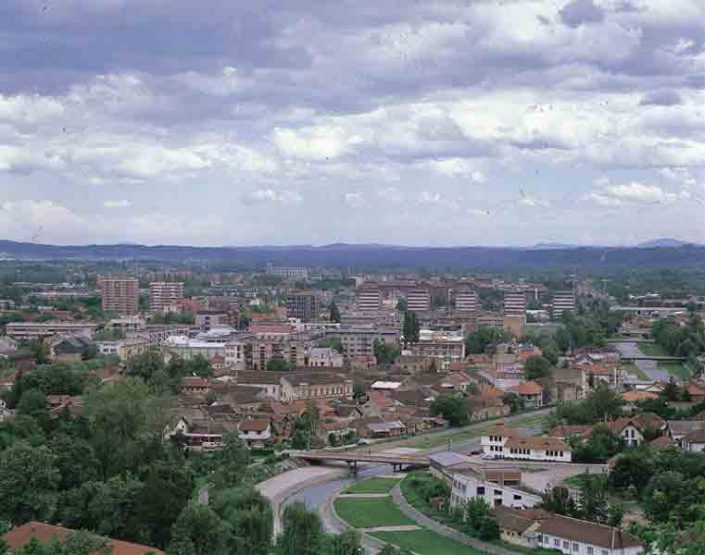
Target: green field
(652, 350)
(676, 369)
(373, 485)
(425, 542)
(370, 513)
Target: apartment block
(466, 300)
(164, 293)
(418, 300)
(359, 340)
(515, 304)
(369, 298)
(563, 301)
(302, 305)
(39, 330)
(119, 295)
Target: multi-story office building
(302, 305)
(164, 293)
(418, 300)
(515, 304)
(563, 301)
(446, 346)
(287, 271)
(119, 295)
(369, 298)
(466, 300)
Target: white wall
(465, 487)
(584, 548)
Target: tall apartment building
(302, 305)
(563, 301)
(359, 340)
(515, 304)
(164, 293)
(369, 298)
(466, 300)
(418, 300)
(119, 295)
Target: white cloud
(640, 192)
(459, 167)
(117, 203)
(272, 197)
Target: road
(648, 367)
(316, 486)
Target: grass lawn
(652, 349)
(426, 542)
(370, 513)
(676, 369)
(373, 485)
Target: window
(480, 490)
(517, 497)
(589, 550)
(556, 542)
(576, 547)
(566, 544)
(604, 552)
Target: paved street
(648, 367)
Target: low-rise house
(256, 432)
(678, 429)
(518, 526)
(379, 428)
(632, 430)
(193, 385)
(70, 349)
(124, 348)
(46, 534)
(291, 386)
(512, 443)
(530, 393)
(498, 488)
(694, 442)
(202, 432)
(572, 536)
(696, 391)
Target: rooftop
(587, 532)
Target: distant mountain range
(660, 253)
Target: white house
(256, 431)
(694, 441)
(497, 488)
(572, 536)
(511, 443)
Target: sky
(414, 122)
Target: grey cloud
(578, 12)
(661, 98)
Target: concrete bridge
(654, 358)
(352, 458)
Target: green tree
(166, 491)
(600, 446)
(384, 353)
(593, 497)
(249, 518)
(401, 305)
(278, 365)
(302, 532)
(199, 531)
(537, 367)
(410, 327)
(230, 462)
(453, 408)
(557, 500)
(75, 460)
(633, 469)
(33, 404)
(28, 483)
(347, 543)
(334, 313)
(480, 341)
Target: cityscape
(363, 277)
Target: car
(363, 441)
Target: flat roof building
(418, 300)
(164, 293)
(119, 295)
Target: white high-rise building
(369, 298)
(164, 293)
(563, 301)
(466, 300)
(418, 300)
(515, 304)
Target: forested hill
(362, 257)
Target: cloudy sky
(425, 122)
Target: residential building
(694, 441)
(124, 348)
(324, 356)
(119, 295)
(264, 349)
(490, 319)
(447, 347)
(208, 319)
(466, 300)
(188, 348)
(46, 534)
(70, 349)
(236, 354)
(302, 305)
(563, 301)
(164, 293)
(369, 298)
(287, 271)
(498, 488)
(418, 300)
(286, 387)
(127, 324)
(572, 536)
(359, 340)
(255, 432)
(512, 443)
(515, 304)
(530, 393)
(157, 335)
(22, 331)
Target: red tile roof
(254, 425)
(528, 388)
(48, 533)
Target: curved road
(317, 486)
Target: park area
(373, 485)
(370, 512)
(425, 542)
